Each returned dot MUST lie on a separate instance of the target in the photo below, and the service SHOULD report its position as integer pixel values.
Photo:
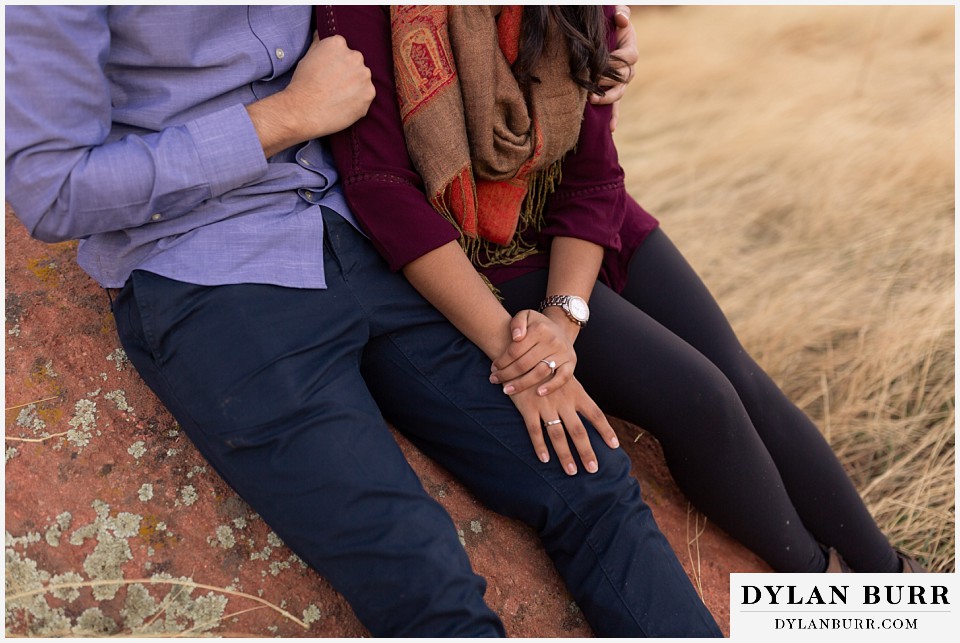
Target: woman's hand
(541, 413)
(537, 343)
(625, 58)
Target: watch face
(578, 308)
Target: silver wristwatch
(575, 307)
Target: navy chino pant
(267, 383)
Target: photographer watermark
(851, 606)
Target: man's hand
(329, 91)
(626, 56)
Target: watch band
(553, 300)
(564, 301)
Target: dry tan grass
(803, 160)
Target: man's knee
(559, 506)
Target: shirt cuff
(229, 149)
(593, 214)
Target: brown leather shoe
(836, 564)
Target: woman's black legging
(663, 356)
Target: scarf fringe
(484, 253)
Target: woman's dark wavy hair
(584, 27)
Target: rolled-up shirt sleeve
(383, 189)
(588, 203)
(66, 176)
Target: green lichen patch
(119, 359)
(71, 591)
(185, 613)
(188, 495)
(22, 541)
(41, 603)
(225, 537)
(119, 398)
(312, 614)
(176, 611)
(55, 531)
(84, 423)
(277, 566)
(22, 574)
(93, 622)
(28, 419)
(145, 492)
(137, 449)
(112, 549)
(138, 606)
(105, 564)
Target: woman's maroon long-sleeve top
(387, 196)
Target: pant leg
(664, 286)
(664, 357)
(432, 383)
(641, 372)
(595, 527)
(266, 383)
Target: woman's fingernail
(493, 368)
(516, 333)
(571, 468)
(544, 457)
(614, 442)
(591, 466)
(508, 389)
(541, 391)
(494, 379)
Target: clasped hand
(545, 394)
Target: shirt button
(304, 161)
(308, 195)
(279, 53)
(156, 216)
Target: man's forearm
(329, 91)
(66, 178)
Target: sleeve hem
(229, 149)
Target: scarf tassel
(453, 204)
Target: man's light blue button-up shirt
(126, 128)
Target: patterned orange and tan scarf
(488, 154)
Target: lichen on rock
(84, 423)
(93, 622)
(188, 495)
(137, 449)
(55, 531)
(119, 398)
(119, 358)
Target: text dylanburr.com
(844, 607)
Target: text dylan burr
(838, 594)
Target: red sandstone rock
(102, 486)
